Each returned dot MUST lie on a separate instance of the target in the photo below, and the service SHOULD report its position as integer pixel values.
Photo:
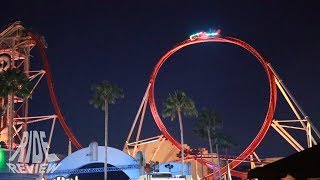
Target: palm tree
(179, 103)
(224, 142)
(104, 94)
(13, 82)
(207, 125)
(3, 110)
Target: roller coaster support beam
(296, 108)
(143, 105)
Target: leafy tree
(225, 142)
(208, 121)
(16, 82)
(104, 94)
(13, 82)
(179, 103)
(207, 125)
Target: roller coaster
(16, 43)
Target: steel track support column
(309, 136)
(140, 127)
(252, 164)
(286, 90)
(144, 99)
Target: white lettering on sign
(33, 143)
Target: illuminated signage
(32, 155)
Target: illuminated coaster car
(205, 35)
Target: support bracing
(305, 123)
(16, 43)
(140, 113)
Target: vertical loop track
(272, 97)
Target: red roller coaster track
(54, 100)
(272, 98)
(249, 150)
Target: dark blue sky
(121, 42)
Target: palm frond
(178, 101)
(211, 119)
(207, 119)
(105, 92)
(224, 141)
(16, 82)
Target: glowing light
(205, 35)
(2, 159)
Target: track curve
(53, 98)
(272, 97)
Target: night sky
(121, 42)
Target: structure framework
(275, 83)
(16, 43)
